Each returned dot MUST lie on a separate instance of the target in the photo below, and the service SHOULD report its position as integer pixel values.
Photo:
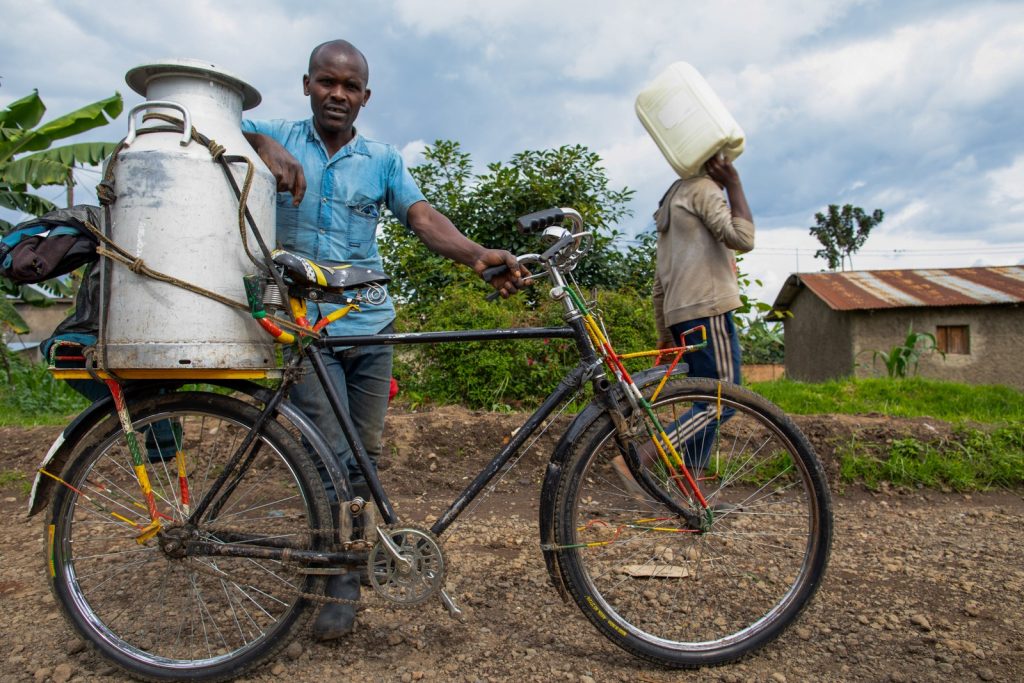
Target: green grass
(914, 397)
(985, 450)
(971, 460)
(12, 479)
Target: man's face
(336, 86)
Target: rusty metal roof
(931, 287)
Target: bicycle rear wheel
(684, 596)
(162, 617)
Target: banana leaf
(88, 117)
(34, 171)
(9, 317)
(25, 113)
(24, 202)
(83, 119)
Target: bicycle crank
(407, 565)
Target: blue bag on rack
(49, 246)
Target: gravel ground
(922, 586)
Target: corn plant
(903, 359)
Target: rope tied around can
(107, 195)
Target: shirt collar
(357, 145)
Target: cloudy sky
(912, 107)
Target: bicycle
(201, 555)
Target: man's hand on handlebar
(503, 271)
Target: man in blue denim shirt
(332, 183)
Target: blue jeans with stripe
(693, 434)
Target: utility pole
(71, 186)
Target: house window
(953, 339)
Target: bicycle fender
(549, 491)
(559, 458)
(57, 456)
(321, 450)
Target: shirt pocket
(362, 227)
(287, 221)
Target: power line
(896, 251)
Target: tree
(38, 166)
(485, 207)
(838, 236)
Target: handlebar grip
(538, 220)
(488, 275)
(491, 272)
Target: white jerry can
(177, 212)
(687, 120)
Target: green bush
(761, 341)
(498, 375)
(33, 396)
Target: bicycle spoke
(677, 595)
(176, 612)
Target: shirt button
(324, 200)
(322, 231)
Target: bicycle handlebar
(538, 220)
(559, 241)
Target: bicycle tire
(199, 619)
(687, 598)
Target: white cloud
(1007, 185)
(593, 39)
(412, 152)
(910, 107)
(911, 76)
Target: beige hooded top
(695, 275)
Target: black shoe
(337, 620)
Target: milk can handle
(186, 136)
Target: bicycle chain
(289, 565)
(293, 569)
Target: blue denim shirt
(337, 219)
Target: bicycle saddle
(304, 272)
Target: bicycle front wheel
(687, 585)
(166, 615)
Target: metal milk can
(177, 212)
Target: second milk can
(687, 120)
(176, 211)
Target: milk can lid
(139, 77)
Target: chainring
(414, 581)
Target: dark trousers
(693, 434)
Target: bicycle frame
(594, 349)
(568, 386)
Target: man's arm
(725, 174)
(286, 169)
(442, 237)
(730, 222)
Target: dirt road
(922, 586)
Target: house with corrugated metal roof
(834, 322)
(41, 321)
